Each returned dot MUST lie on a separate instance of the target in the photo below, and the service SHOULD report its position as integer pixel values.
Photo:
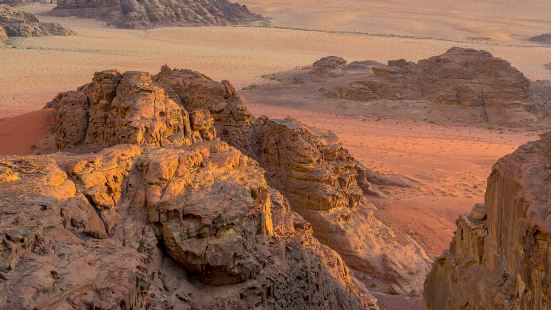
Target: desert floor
(451, 163)
(35, 69)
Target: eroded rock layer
(146, 14)
(133, 227)
(500, 257)
(22, 24)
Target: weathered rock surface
(327, 186)
(23, 24)
(502, 260)
(146, 209)
(147, 14)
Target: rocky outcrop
(328, 187)
(544, 38)
(461, 85)
(322, 182)
(145, 208)
(460, 76)
(147, 14)
(133, 227)
(126, 108)
(23, 24)
(500, 255)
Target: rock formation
(17, 2)
(542, 38)
(457, 81)
(23, 24)
(500, 255)
(327, 186)
(147, 14)
(145, 208)
(145, 181)
(459, 77)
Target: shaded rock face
(147, 14)
(500, 255)
(23, 24)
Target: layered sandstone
(145, 208)
(500, 255)
(147, 14)
(24, 24)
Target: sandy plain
(33, 70)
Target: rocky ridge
(22, 24)
(470, 83)
(500, 255)
(147, 14)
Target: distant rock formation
(23, 24)
(500, 256)
(147, 14)
(458, 77)
(542, 38)
(17, 2)
(473, 80)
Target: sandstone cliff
(147, 14)
(23, 24)
(500, 257)
(146, 208)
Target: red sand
(20, 133)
